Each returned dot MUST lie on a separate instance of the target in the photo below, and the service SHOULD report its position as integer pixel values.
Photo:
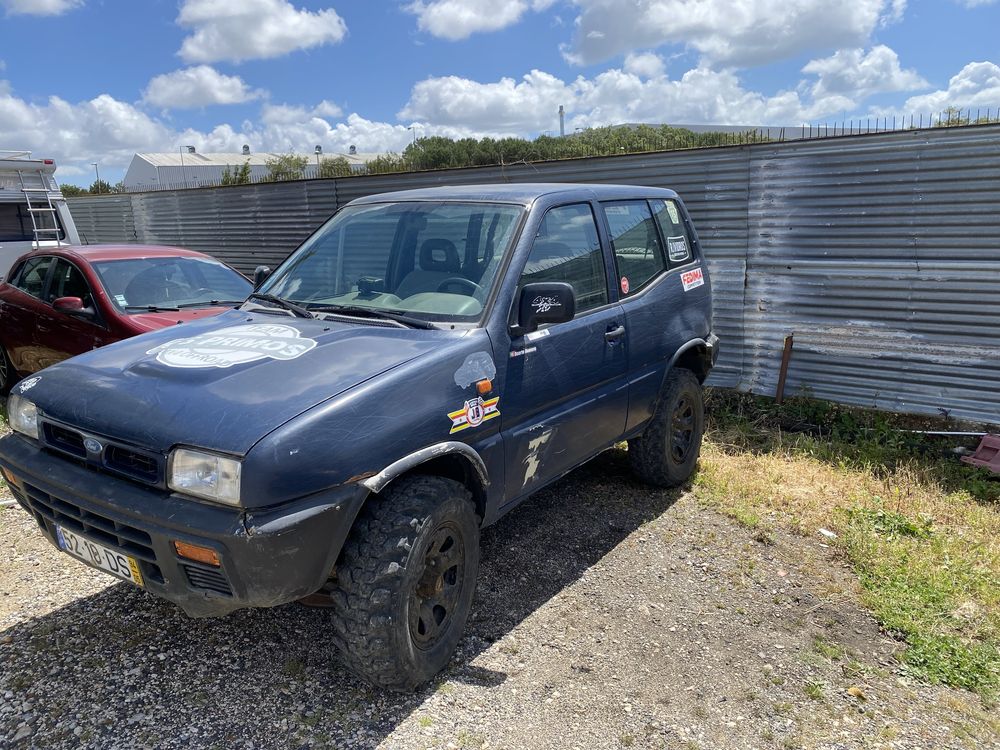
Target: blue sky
(98, 80)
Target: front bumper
(268, 557)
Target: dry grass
(921, 530)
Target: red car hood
(152, 321)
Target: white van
(33, 213)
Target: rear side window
(636, 243)
(15, 223)
(668, 216)
(31, 278)
(567, 248)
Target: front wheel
(405, 581)
(666, 453)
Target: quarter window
(668, 216)
(567, 248)
(638, 252)
(31, 279)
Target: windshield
(136, 284)
(434, 261)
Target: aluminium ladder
(38, 209)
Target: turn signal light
(484, 387)
(203, 555)
(11, 479)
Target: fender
(378, 482)
(711, 345)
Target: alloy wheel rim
(436, 595)
(681, 430)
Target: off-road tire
(387, 561)
(7, 375)
(654, 455)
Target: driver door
(59, 336)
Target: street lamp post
(319, 152)
(97, 174)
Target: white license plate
(109, 560)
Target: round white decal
(234, 346)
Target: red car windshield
(138, 284)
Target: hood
(221, 383)
(151, 321)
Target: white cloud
(647, 65)
(459, 19)
(975, 85)
(856, 74)
(39, 7)
(730, 32)
(198, 86)
(253, 29)
(530, 105)
(285, 114)
(976, 3)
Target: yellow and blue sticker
(474, 413)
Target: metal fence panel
(103, 218)
(883, 260)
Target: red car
(59, 302)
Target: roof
(259, 159)
(120, 252)
(523, 193)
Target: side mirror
(72, 306)
(545, 302)
(260, 274)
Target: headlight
(205, 475)
(23, 416)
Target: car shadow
(123, 668)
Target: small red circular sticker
(624, 284)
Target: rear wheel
(666, 453)
(7, 375)
(405, 581)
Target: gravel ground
(607, 616)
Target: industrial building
(189, 168)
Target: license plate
(109, 560)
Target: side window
(668, 216)
(636, 244)
(567, 248)
(31, 279)
(68, 281)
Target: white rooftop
(174, 159)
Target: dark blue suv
(424, 362)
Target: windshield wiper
(361, 311)
(153, 308)
(300, 312)
(212, 302)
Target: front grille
(70, 441)
(115, 458)
(209, 579)
(129, 539)
(133, 463)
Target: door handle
(615, 333)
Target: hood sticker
(477, 366)
(28, 384)
(474, 413)
(692, 279)
(234, 346)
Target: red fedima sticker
(624, 284)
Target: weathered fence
(880, 253)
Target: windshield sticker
(678, 248)
(477, 366)
(120, 299)
(625, 286)
(474, 413)
(234, 346)
(692, 279)
(28, 384)
(672, 210)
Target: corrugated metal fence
(880, 253)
